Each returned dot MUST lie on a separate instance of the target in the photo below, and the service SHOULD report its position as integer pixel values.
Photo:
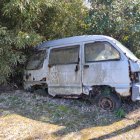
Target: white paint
(62, 79)
(135, 65)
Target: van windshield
(125, 50)
(36, 60)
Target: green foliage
(67, 19)
(10, 50)
(120, 113)
(25, 23)
(24, 39)
(119, 19)
(25, 14)
(9, 56)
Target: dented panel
(65, 90)
(135, 66)
(113, 74)
(79, 76)
(102, 70)
(34, 77)
(65, 73)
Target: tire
(109, 102)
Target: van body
(81, 64)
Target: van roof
(69, 40)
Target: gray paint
(63, 80)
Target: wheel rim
(106, 104)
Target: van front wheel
(109, 102)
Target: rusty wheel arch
(43, 86)
(101, 89)
(102, 94)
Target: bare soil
(30, 116)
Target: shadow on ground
(78, 117)
(118, 132)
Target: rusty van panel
(64, 70)
(63, 79)
(64, 75)
(82, 74)
(65, 90)
(111, 73)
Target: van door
(103, 65)
(64, 71)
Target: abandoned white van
(94, 66)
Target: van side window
(65, 55)
(36, 60)
(100, 51)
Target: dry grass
(32, 116)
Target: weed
(120, 113)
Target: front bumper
(136, 92)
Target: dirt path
(31, 116)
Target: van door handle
(77, 68)
(86, 66)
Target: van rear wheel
(109, 102)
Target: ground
(28, 116)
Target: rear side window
(36, 60)
(100, 51)
(65, 55)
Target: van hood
(135, 65)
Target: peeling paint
(64, 91)
(75, 78)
